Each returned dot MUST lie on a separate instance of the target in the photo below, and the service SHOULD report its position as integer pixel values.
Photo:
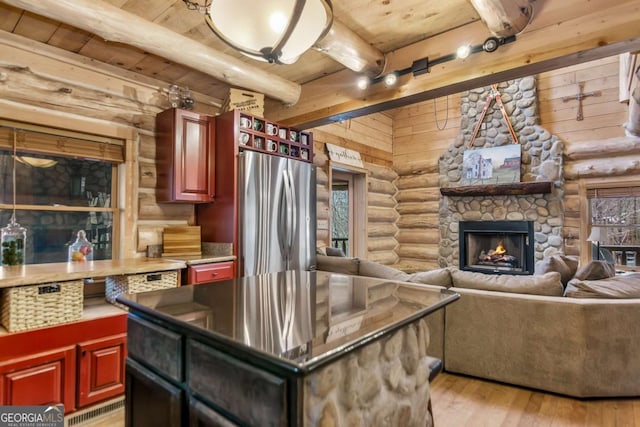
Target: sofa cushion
(439, 277)
(625, 286)
(374, 269)
(596, 270)
(565, 265)
(335, 264)
(544, 284)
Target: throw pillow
(626, 286)
(544, 284)
(564, 265)
(439, 277)
(374, 269)
(596, 270)
(321, 250)
(334, 251)
(342, 265)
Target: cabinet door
(201, 415)
(101, 369)
(206, 273)
(41, 379)
(152, 400)
(186, 156)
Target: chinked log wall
(48, 86)
(371, 136)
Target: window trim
(586, 188)
(110, 150)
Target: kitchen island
(284, 349)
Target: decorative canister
(81, 249)
(14, 240)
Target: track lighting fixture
(423, 65)
(390, 79)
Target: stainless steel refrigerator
(277, 214)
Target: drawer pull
(214, 274)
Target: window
(348, 210)
(64, 182)
(614, 224)
(341, 220)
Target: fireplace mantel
(514, 189)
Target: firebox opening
(503, 247)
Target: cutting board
(181, 241)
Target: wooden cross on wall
(580, 96)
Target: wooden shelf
(515, 189)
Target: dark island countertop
(297, 320)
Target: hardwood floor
(469, 402)
(460, 401)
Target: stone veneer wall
(541, 161)
(383, 383)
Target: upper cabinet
(185, 150)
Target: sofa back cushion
(626, 286)
(596, 270)
(565, 265)
(544, 284)
(334, 264)
(439, 277)
(374, 269)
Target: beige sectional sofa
(582, 340)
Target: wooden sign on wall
(344, 155)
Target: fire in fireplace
(503, 247)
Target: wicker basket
(33, 306)
(134, 283)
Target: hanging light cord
(15, 143)
(435, 114)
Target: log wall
(48, 86)
(418, 143)
(371, 136)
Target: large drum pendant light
(277, 31)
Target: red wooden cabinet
(74, 364)
(185, 148)
(101, 369)
(40, 379)
(214, 272)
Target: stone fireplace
(502, 247)
(541, 161)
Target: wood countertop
(32, 274)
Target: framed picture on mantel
(495, 165)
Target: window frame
(586, 186)
(107, 149)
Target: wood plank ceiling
(387, 24)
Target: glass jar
(81, 249)
(14, 239)
(174, 96)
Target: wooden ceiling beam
(504, 17)
(350, 50)
(114, 24)
(561, 34)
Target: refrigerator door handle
(290, 211)
(283, 221)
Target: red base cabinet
(214, 272)
(101, 369)
(74, 364)
(40, 379)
